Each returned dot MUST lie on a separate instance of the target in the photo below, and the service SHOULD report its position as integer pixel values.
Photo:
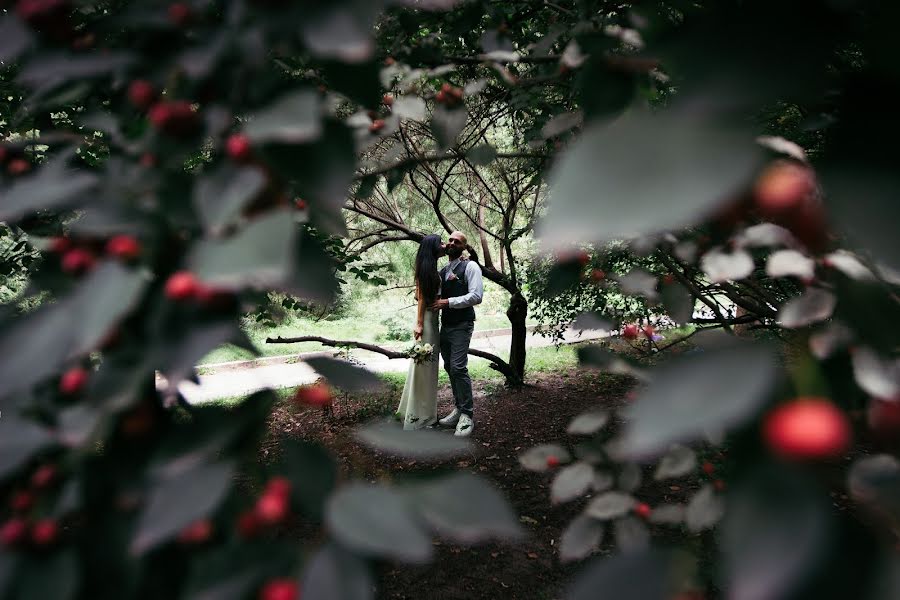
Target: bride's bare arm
(420, 316)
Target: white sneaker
(465, 426)
(451, 419)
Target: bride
(418, 404)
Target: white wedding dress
(418, 404)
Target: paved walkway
(239, 378)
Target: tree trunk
(517, 311)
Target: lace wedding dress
(418, 404)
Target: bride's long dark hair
(427, 279)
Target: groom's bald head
(459, 235)
(456, 245)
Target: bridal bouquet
(421, 353)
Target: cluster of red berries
(449, 96)
(272, 508)
(19, 531)
(15, 165)
(176, 118)
(318, 394)
(183, 286)
(632, 331)
(77, 259)
(786, 193)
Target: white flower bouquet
(421, 353)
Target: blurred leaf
(221, 195)
(447, 124)
(52, 186)
(602, 481)
(20, 439)
(580, 538)
(409, 107)
(679, 461)
(588, 423)
(438, 502)
(258, 256)
(14, 39)
(610, 505)
(667, 514)
(436, 5)
(877, 376)
(198, 62)
(571, 482)
(631, 534)
(535, 459)
(784, 263)
(55, 575)
(345, 375)
(771, 546)
(294, 118)
(602, 188)
(678, 302)
(605, 360)
(340, 31)
(335, 574)
(482, 155)
(849, 264)
(875, 481)
(693, 395)
(392, 438)
(813, 306)
(377, 521)
(54, 69)
(763, 235)
(176, 502)
(704, 510)
(37, 345)
(562, 123)
(312, 473)
(642, 575)
(630, 477)
(638, 282)
(722, 266)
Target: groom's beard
(453, 254)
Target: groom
(461, 289)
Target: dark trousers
(455, 341)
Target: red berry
(141, 94)
(668, 279)
(44, 477)
(709, 468)
(182, 285)
(271, 508)
(648, 331)
(387, 99)
(782, 188)
(77, 261)
(552, 462)
(238, 147)
(73, 381)
(883, 417)
(139, 421)
(18, 166)
(176, 118)
(279, 589)
(446, 88)
(807, 428)
(643, 510)
(13, 532)
(389, 61)
(440, 97)
(314, 395)
(248, 525)
(60, 245)
(376, 126)
(148, 160)
(630, 332)
(279, 486)
(300, 203)
(179, 14)
(44, 533)
(124, 247)
(598, 275)
(198, 532)
(719, 485)
(21, 501)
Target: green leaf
(20, 439)
(631, 534)
(704, 510)
(562, 123)
(438, 502)
(345, 375)
(15, 38)
(37, 345)
(644, 174)
(335, 574)
(312, 473)
(447, 124)
(581, 538)
(55, 575)
(679, 461)
(54, 69)
(391, 437)
(378, 521)
(875, 480)
(678, 302)
(571, 482)
(588, 423)
(535, 459)
(643, 575)
(812, 306)
(52, 186)
(667, 514)
(482, 155)
(341, 32)
(770, 548)
(409, 107)
(179, 500)
(257, 257)
(693, 395)
(610, 505)
(294, 118)
(221, 195)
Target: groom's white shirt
(475, 285)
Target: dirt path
(507, 422)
